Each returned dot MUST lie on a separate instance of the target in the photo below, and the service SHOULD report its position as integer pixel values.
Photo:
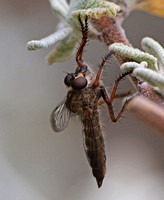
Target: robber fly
(83, 98)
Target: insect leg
(83, 41)
(116, 84)
(121, 95)
(109, 101)
(117, 96)
(96, 82)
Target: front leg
(84, 29)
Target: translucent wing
(60, 117)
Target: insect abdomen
(94, 147)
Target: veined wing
(60, 117)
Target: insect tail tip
(99, 182)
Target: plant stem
(148, 112)
(112, 32)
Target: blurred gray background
(36, 163)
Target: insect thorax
(79, 101)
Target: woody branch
(148, 105)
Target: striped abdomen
(94, 145)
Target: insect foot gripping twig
(84, 30)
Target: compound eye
(79, 83)
(68, 79)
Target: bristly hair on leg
(84, 40)
(107, 56)
(86, 24)
(81, 23)
(84, 29)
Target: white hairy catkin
(153, 78)
(59, 7)
(153, 47)
(49, 40)
(128, 66)
(96, 9)
(134, 54)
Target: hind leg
(109, 101)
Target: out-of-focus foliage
(153, 6)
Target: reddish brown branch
(113, 32)
(149, 112)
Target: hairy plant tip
(97, 9)
(149, 66)
(67, 37)
(134, 54)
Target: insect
(85, 94)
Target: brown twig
(113, 32)
(147, 111)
